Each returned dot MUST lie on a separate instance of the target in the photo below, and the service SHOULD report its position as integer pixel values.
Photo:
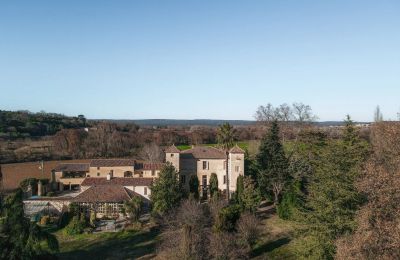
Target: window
(98, 174)
(224, 179)
(172, 155)
(224, 165)
(128, 174)
(183, 179)
(145, 191)
(237, 168)
(153, 172)
(205, 165)
(88, 175)
(141, 174)
(98, 168)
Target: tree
(303, 113)
(239, 190)
(333, 199)
(226, 137)
(377, 235)
(133, 208)
(378, 117)
(273, 164)
(186, 235)
(166, 191)
(194, 186)
(213, 185)
(250, 197)
(151, 152)
(21, 239)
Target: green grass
(112, 245)
(277, 239)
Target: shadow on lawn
(131, 246)
(268, 247)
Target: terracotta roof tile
(148, 166)
(203, 152)
(92, 181)
(72, 167)
(172, 149)
(236, 149)
(109, 193)
(111, 162)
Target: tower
(172, 155)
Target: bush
(51, 194)
(76, 226)
(248, 230)
(227, 218)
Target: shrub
(227, 218)
(248, 230)
(76, 226)
(51, 194)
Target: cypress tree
(194, 187)
(213, 185)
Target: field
(14, 173)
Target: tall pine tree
(273, 173)
(332, 198)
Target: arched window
(128, 174)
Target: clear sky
(199, 59)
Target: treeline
(16, 124)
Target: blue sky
(199, 59)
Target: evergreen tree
(21, 239)
(332, 196)
(239, 190)
(249, 198)
(213, 185)
(166, 191)
(194, 187)
(273, 164)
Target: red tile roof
(236, 149)
(148, 166)
(203, 152)
(108, 193)
(72, 167)
(92, 181)
(172, 149)
(111, 162)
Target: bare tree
(186, 233)
(303, 113)
(284, 113)
(265, 113)
(152, 153)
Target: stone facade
(203, 161)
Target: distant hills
(203, 122)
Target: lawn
(277, 238)
(112, 245)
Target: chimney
(40, 189)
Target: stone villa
(202, 161)
(104, 185)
